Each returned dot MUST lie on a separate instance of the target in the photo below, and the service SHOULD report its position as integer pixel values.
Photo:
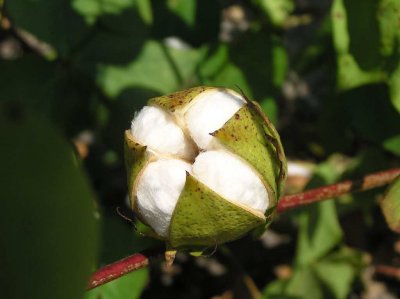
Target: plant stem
(389, 271)
(122, 267)
(141, 260)
(370, 181)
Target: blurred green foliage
(328, 74)
(390, 205)
(48, 223)
(324, 267)
(366, 36)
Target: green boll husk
(203, 218)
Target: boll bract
(205, 166)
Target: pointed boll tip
(169, 258)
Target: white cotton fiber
(232, 178)
(156, 129)
(158, 191)
(209, 112)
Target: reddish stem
(141, 260)
(122, 267)
(389, 271)
(370, 181)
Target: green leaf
(158, 67)
(392, 144)
(338, 271)
(53, 21)
(330, 277)
(276, 290)
(263, 61)
(303, 284)
(48, 217)
(353, 55)
(128, 286)
(388, 14)
(277, 11)
(321, 270)
(367, 54)
(229, 76)
(319, 229)
(257, 63)
(214, 61)
(145, 10)
(184, 9)
(394, 85)
(319, 232)
(390, 206)
(115, 40)
(92, 9)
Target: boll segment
(209, 112)
(158, 191)
(157, 130)
(205, 166)
(231, 178)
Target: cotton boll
(156, 129)
(209, 112)
(232, 178)
(158, 190)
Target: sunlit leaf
(277, 11)
(320, 269)
(319, 229)
(185, 9)
(391, 206)
(257, 64)
(92, 9)
(338, 271)
(303, 284)
(158, 67)
(367, 54)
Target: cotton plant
(205, 166)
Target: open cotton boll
(156, 129)
(158, 191)
(209, 112)
(232, 178)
